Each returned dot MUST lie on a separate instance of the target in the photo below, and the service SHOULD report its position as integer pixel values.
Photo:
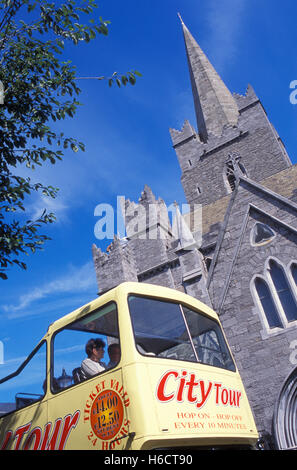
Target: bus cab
(171, 383)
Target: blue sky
(127, 139)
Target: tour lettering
(25, 438)
(187, 387)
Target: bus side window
(78, 352)
(27, 385)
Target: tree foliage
(39, 89)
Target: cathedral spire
(214, 104)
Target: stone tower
(242, 259)
(154, 250)
(233, 130)
(234, 138)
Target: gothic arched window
(276, 292)
(267, 303)
(283, 290)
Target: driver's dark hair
(94, 343)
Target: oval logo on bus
(107, 414)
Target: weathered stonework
(262, 356)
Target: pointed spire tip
(179, 15)
(214, 104)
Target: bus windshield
(173, 331)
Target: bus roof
(139, 288)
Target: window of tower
(232, 166)
(230, 175)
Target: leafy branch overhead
(40, 87)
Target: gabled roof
(247, 197)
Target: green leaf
(74, 147)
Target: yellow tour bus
(170, 381)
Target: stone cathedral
(240, 256)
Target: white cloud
(225, 20)
(57, 206)
(81, 279)
(70, 349)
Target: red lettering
(232, 397)
(86, 418)
(36, 435)
(53, 440)
(114, 384)
(92, 396)
(217, 386)
(123, 396)
(100, 386)
(181, 387)
(19, 434)
(127, 402)
(45, 437)
(204, 394)
(6, 440)
(190, 385)
(69, 423)
(224, 396)
(124, 431)
(37, 439)
(161, 387)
